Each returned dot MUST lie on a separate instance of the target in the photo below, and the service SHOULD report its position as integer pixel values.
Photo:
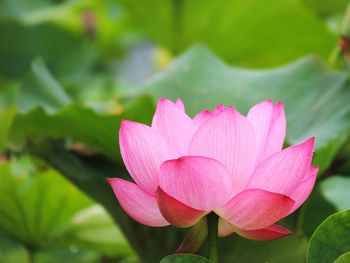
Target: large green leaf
(331, 239)
(184, 258)
(97, 131)
(250, 33)
(48, 215)
(96, 229)
(65, 52)
(345, 258)
(40, 89)
(48, 112)
(304, 86)
(36, 207)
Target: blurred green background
(70, 70)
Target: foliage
(249, 33)
(47, 215)
(186, 258)
(71, 70)
(330, 242)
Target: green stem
(213, 254)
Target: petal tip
(287, 232)
(123, 130)
(267, 102)
(109, 180)
(278, 109)
(124, 124)
(310, 143)
(164, 101)
(219, 108)
(179, 101)
(180, 104)
(279, 106)
(230, 110)
(313, 170)
(115, 181)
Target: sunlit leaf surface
(331, 239)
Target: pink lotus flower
(219, 161)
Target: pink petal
(180, 104)
(199, 182)
(201, 117)
(205, 115)
(174, 125)
(143, 150)
(229, 138)
(177, 213)
(219, 109)
(283, 172)
(269, 123)
(302, 192)
(264, 234)
(255, 209)
(268, 233)
(137, 203)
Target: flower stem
(213, 254)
